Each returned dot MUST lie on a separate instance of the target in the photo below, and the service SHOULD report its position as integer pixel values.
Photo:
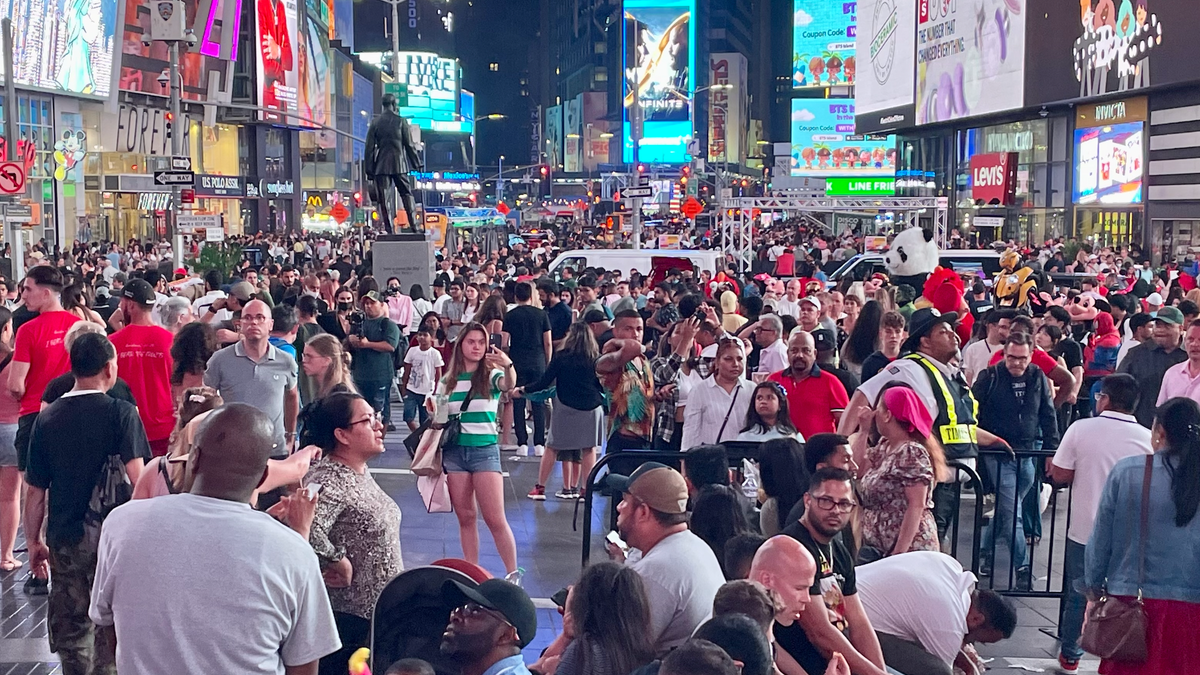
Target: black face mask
(394, 289)
(344, 306)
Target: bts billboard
(824, 142)
(823, 43)
(659, 64)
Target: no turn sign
(12, 178)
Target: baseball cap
(824, 340)
(923, 321)
(1155, 299)
(595, 316)
(1170, 315)
(496, 594)
(811, 299)
(658, 485)
(140, 291)
(373, 295)
(243, 291)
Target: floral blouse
(884, 502)
(355, 518)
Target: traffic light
(358, 199)
(683, 180)
(745, 183)
(545, 171)
(169, 118)
(641, 168)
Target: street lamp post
(499, 180)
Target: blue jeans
(1011, 486)
(1071, 624)
(414, 407)
(379, 395)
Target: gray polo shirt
(240, 380)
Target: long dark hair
(784, 477)
(610, 608)
(783, 420)
(1180, 422)
(193, 345)
(865, 335)
(326, 415)
(717, 517)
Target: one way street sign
(174, 177)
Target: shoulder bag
(1113, 628)
(427, 457)
(729, 412)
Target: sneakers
(539, 450)
(1024, 578)
(36, 586)
(538, 493)
(567, 494)
(522, 451)
(1066, 665)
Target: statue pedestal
(408, 257)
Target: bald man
(824, 395)
(252, 583)
(788, 570)
(254, 371)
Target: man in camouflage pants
(69, 446)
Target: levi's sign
(994, 178)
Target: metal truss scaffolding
(738, 216)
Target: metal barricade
(1044, 556)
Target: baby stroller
(410, 615)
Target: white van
(625, 259)
(863, 265)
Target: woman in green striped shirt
(481, 373)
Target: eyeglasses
(254, 318)
(473, 610)
(376, 418)
(828, 504)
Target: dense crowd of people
(226, 402)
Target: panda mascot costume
(912, 259)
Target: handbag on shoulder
(1114, 628)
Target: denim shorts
(471, 459)
(8, 448)
(414, 407)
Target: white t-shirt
(680, 595)
(1090, 448)
(975, 358)
(892, 589)
(784, 306)
(196, 585)
(422, 374)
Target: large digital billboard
(64, 46)
(278, 63)
(823, 45)
(659, 66)
(141, 65)
(824, 142)
(1109, 164)
(316, 77)
(886, 51)
(433, 91)
(970, 58)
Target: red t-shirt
(813, 400)
(1040, 358)
(144, 362)
(40, 344)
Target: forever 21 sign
(994, 178)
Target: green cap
(1170, 315)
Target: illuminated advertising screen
(1109, 164)
(277, 57)
(823, 46)
(824, 143)
(433, 91)
(142, 64)
(64, 46)
(313, 99)
(659, 64)
(970, 58)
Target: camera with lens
(356, 319)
